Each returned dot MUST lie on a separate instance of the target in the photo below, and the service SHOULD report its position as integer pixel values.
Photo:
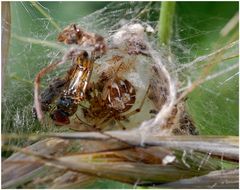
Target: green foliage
(196, 26)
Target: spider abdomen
(120, 95)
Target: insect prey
(72, 88)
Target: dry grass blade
(224, 179)
(176, 159)
(225, 147)
(6, 33)
(72, 180)
(107, 165)
(20, 168)
(127, 171)
(232, 23)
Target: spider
(109, 99)
(73, 34)
(72, 88)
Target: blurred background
(196, 30)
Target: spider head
(71, 35)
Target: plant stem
(40, 42)
(6, 33)
(44, 13)
(165, 22)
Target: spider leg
(37, 86)
(120, 124)
(95, 126)
(85, 123)
(139, 108)
(83, 107)
(122, 117)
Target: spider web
(208, 103)
(213, 105)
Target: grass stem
(44, 13)
(40, 42)
(165, 22)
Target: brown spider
(109, 100)
(72, 34)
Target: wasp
(53, 90)
(78, 78)
(72, 88)
(69, 91)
